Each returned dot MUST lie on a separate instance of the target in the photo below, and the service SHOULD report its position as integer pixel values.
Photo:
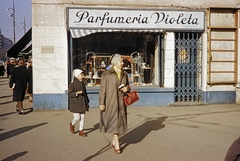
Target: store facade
(165, 53)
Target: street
(186, 133)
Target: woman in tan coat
(113, 118)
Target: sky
(23, 8)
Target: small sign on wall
(47, 49)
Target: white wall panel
(50, 70)
(169, 60)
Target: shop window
(92, 54)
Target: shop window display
(92, 54)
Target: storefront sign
(47, 49)
(82, 18)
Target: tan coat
(114, 118)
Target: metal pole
(14, 25)
(23, 25)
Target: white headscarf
(115, 59)
(76, 73)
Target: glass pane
(92, 54)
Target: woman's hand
(79, 92)
(102, 107)
(125, 89)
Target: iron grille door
(188, 51)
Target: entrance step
(188, 104)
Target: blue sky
(23, 8)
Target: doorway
(188, 52)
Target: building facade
(5, 44)
(174, 52)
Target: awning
(27, 49)
(20, 45)
(77, 33)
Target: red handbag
(131, 97)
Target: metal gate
(188, 51)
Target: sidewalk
(184, 133)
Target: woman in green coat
(113, 118)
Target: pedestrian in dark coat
(10, 66)
(30, 84)
(79, 101)
(2, 70)
(113, 112)
(18, 82)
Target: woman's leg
(30, 99)
(20, 107)
(81, 125)
(81, 122)
(115, 143)
(76, 117)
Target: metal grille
(188, 51)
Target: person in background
(30, 84)
(10, 66)
(2, 70)
(113, 112)
(79, 101)
(18, 82)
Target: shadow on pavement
(18, 131)
(3, 84)
(95, 127)
(28, 110)
(135, 136)
(139, 133)
(15, 156)
(2, 103)
(5, 114)
(6, 96)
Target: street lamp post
(23, 25)
(12, 14)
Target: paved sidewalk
(184, 133)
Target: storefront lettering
(156, 17)
(162, 17)
(84, 15)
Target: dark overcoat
(19, 77)
(2, 70)
(114, 118)
(30, 84)
(78, 103)
(10, 66)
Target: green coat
(114, 118)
